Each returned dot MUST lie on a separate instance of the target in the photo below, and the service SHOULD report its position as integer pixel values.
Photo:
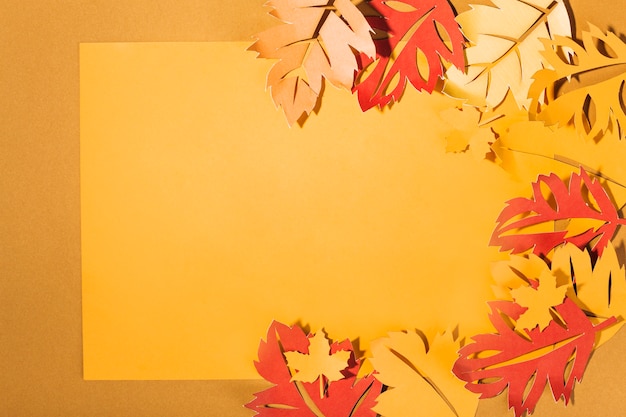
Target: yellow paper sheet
(205, 217)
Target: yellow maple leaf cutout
(419, 378)
(599, 290)
(318, 362)
(516, 272)
(464, 134)
(525, 149)
(540, 301)
(593, 109)
(504, 50)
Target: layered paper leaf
(528, 223)
(290, 397)
(317, 41)
(504, 50)
(419, 378)
(413, 37)
(526, 364)
(594, 108)
(597, 288)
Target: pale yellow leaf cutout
(319, 361)
(540, 302)
(504, 50)
(594, 109)
(419, 377)
(599, 290)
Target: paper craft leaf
(419, 378)
(413, 37)
(598, 289)
(464, 134)
(584, 204)
(516, 272)
(539, 301)
(317, 41)
(526, 364)
(348, 396)
(505, 49)
(605, 97)
(319, 362)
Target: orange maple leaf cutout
(320, 39)
(319, 362)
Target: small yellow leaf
(319, 361)
(539, 301)
(419, 378)
(515, 273)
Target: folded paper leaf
(505, 49)
(419, 378)
(526, 364)
(317, 41)
(528, 223)
(599, 53)
(597, 288)
(346, 396)
(413, 36)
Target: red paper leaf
(526, 365)
(346, 397)
(413, 27)
(570, 202)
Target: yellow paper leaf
(319, 361)
(516, 272)
(500, 118)
(317, 41)
(593, 109)
(504, 49)
(465, 133)
(539, 301)
(599, 290)
(419, 378)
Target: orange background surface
(40, 280)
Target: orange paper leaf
(317, 41)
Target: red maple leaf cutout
(570, 202)
(349, 397)
(526, 365)
(414, 28)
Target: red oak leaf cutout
(420, 33)
(525, 365)
(584, 203)
(290, 397)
